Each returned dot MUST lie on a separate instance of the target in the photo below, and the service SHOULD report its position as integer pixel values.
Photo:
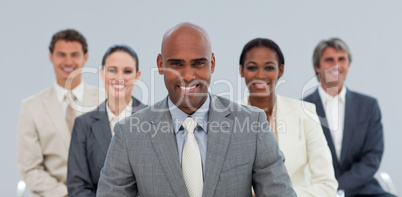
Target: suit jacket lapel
(287, 126)
(349, 123)
(101, 127)
(137, 105)
(55, 112)
(164, 143)
(324, 123)
(217, 145)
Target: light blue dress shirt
(200, 133)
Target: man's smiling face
(186, 62)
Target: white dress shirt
(113, 119)
(334, 107)
(201, 116)
(78, 93)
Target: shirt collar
(200, 116)
(128, 110)
(61, 92)
(326, 97)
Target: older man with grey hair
(351, 122)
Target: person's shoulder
(88, 115)
(37, 98)
(149, 112)
(91, 87)
(310, 97)
(94, 89)
(137, 125)
(295, 103)
(361, 97)
(361, 101)
(288, 101)
(149, 109)
(236, 108)
(138, 105)
(87, 119)
(302, 109)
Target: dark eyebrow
(176, 60)
(251, 62)
(199, 59)
(270, 62)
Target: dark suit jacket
(89, 144)
(362, 145)
(241, 152)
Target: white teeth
(334, 72)
(118, 86)
(260, 85)
(187, 88)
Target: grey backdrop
(372, 30)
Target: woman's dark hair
(262, 42)
(120, 47)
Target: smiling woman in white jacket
(294, 123)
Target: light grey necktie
(191, 161)
(71, 114)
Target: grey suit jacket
(89, 143)
(241, 152)
(44, 140)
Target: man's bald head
(185, 33)
(186, 62)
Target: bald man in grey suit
(236, 147)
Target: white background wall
(372, 29)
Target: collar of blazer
(164, 143)
(350, 122)
(288, 122)
(101, 125)
(351, 114)
(100, 111)
(315, 98)
(56, 115)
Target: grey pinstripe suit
(142, 157)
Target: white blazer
(302, 141)
(44, 140)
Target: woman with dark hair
(93, 131)
(293, 122)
